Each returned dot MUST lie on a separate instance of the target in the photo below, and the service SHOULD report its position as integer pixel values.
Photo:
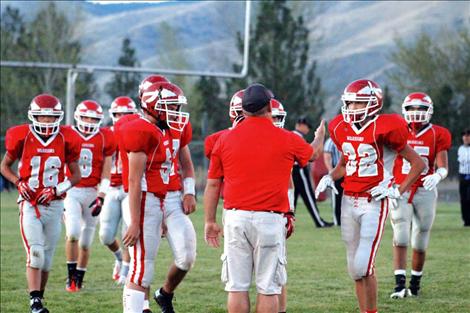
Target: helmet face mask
(45, 105)
(417, 108)
(361, 91)
(278, 113)
(88, 117)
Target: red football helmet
(150, 80)
(164, 102)
(417, 108)
(278, 113)
(122, 105)
(236, 110)
(363, 90)
(45, 105)
(88, 108)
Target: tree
(125, 83)
(279, 58)
(442, 70)
(387, 101)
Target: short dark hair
(304, 120)
(466, 132)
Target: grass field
(318, 281)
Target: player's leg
(425, 211)
(126, 258)
(143, 254)
(33, 240)
(72, 219)
(237, 260)
(400, 217)
(282, 299)
(372, 217)
(182, 240)
(109, 222)
(306, 192)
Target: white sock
(400, 272)
(415, 273)
(132, 300)
(118, 255)
(146, 305)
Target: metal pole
(70, 95)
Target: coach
(255, 161)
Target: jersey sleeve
(216, 169)
(331, 129)
(109, 142)
(14, 141)
(208, 146)
(444, 140)
(130, 144)
(72, 146)
(301, 150)
(187, 135)
(396, 137)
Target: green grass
(318, 280)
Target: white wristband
(189, 186)
(63, 187)
(442, 171)
(104, 185)
(290, 196)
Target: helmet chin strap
(417, 126)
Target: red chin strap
(416, 126)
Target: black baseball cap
(466, 131)
(256, 97)
(304, 120)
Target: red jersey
(41, 163)
(255, 159)
(210, 141)
(369, 152)
(93, 151)
(427, 143)
(116, 165)
(178, 140)
(140, 135)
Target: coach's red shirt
(255, 159)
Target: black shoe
(147, 311)
(37, 307)
(70, 285)
(164, 301)
(326, 224)
(413, 291)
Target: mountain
(357, 37)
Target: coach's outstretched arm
(317, 142)
(211, 198)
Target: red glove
(25, 191)
(46, 196)
(290, 223)
(96, 206)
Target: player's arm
(328, 160)
(211, 199)
(137, 162)
(430, 181)
(317, 143)
(417, 166)
(6, 169)
(105, 182)
(189, 182)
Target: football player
(84, 201)
(149, 166)
(42, 150)
(180, 200)
(417, 208)
(368, 142)
(113, 205)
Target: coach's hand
(212, 232)
(189, 203)
(25, 191)
(290, 224)
(131, 236)
(96, 206)
(46, 196)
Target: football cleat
(399, 293)
(164, 301)
(70, 285)
(116, 270)
(37, 307)
(147, 311)
(412, 292)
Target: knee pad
(401, 233)
(184, 261)
(48, 256)
(36, 256)
(86, 237)
(72, 230)
(141, 276)
(420, 240)
(106, 235)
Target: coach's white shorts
(144, 252)
(417, 216)
(111, 215)
(79, 223)
(254, 242)
(362, 225)
(180, 232)
(40, 235)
